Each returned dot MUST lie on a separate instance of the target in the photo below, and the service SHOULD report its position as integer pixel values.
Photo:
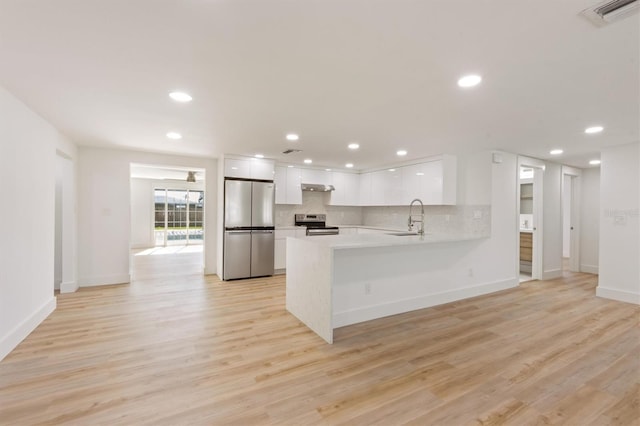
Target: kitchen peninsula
(334, 281)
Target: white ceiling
(382, 73)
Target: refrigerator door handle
(239, 232)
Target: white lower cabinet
(280, 249)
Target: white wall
(104, 211)
(590, 220)
(619, 230)
(552, 222)
(28, 147)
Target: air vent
(290, 151)
(608, 12)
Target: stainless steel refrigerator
(249, 225)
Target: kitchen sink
(403, 234)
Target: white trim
(22, 330)
(105, 280)
(69, 287)
(341, 319)
(552, 274)
(589, 269)
(619, 295)
(279, 271)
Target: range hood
(317, 187)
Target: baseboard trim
(589, 269)
(552, 274)
(22, 330)
(69, 287)
(279, 271)
(354, 316)
(105, 280)
(619, 295)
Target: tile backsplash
(316, 202)
(439, 219)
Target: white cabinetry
(287, 180)
(280, 249)
(433, 182)
(321, 177)
(249, 168)
(365, 197)
(347, 186)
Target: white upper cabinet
(294, 191)
(249, 168)
(287, 181)
(433, 182)
(347, 186)
(321, 177)
(365, 198)
(280, 180)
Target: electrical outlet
(477, 214)
(367, 288)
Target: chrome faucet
(411, 220)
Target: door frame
(576, 196)
(537, 267)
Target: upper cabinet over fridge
(249, 168)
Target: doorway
(64, 268)
(167, 221)
(570, 219)
(530, 187)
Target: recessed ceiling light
(392, 170)
(420, 174)
(594, 129)
(289, 165)
(353, 146)
(594, 162)
(292, 137)
(180, 97)
(174, 135)
(401, 153)
(556, 152)
(308, 161)
(469, 80)
(348, 165)
(259, 156)
(328, 170)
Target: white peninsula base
(334, 281)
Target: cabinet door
(378, 188)
(262, 169)
(393, 194)
(352, 191)
(294, 192)
(338, 196)
(280, 254)
(321, 177)
(237, 168)
(365, 189)
(280, 179)
(432, 181)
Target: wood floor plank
(173, 348)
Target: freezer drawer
(237, 254)
(262, 249)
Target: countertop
(526, 230)
(386, 240)
(293, 227)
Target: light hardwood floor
(193, 350)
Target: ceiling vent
(610, 11)
(291, 151)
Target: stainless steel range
(316, 224)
